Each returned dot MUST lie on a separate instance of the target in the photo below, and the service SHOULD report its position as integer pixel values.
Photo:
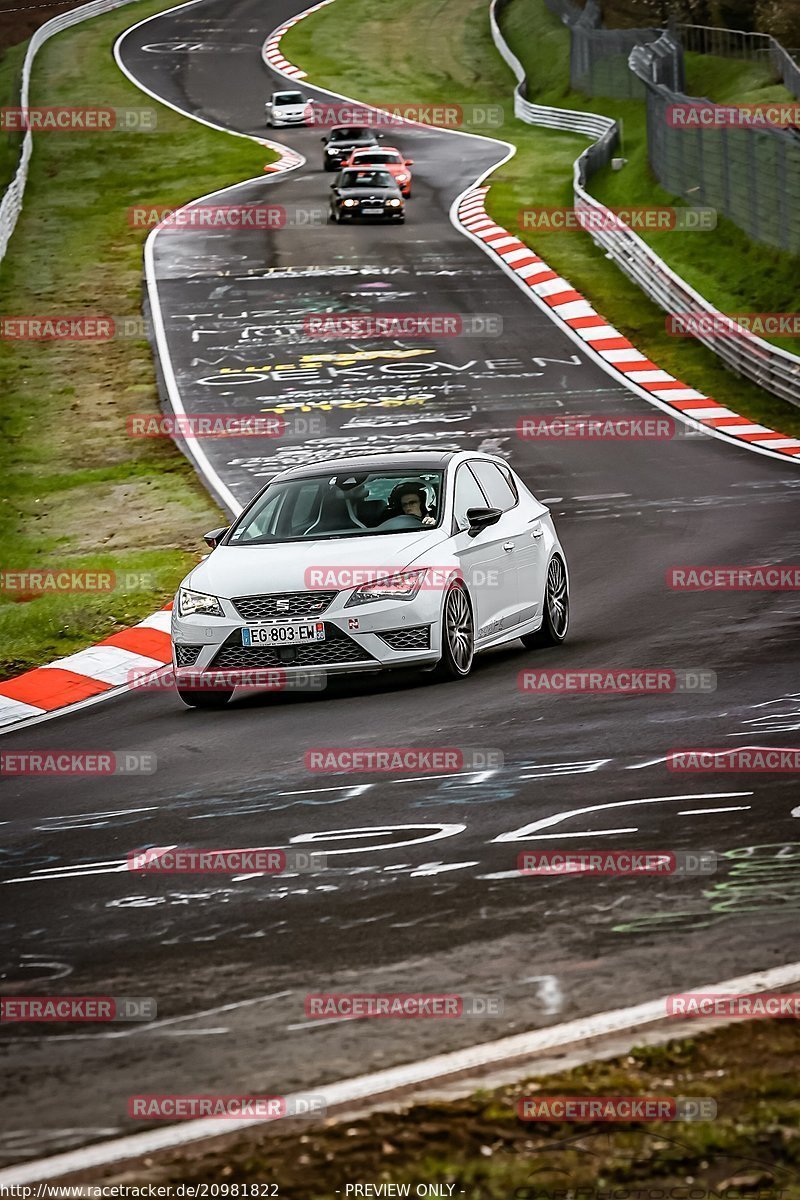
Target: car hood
(350, 145)
(382, 193)
(253, 570)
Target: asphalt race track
(420, 892)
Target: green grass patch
(441, 51)
(78, 493)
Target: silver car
(287, 108)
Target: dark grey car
(367, 193)
(342, 140)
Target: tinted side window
(495, 484)
(468, 495)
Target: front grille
(282, 604)
(337, 648)
(418, 638)
(186, 656)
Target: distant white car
(287, 108)
(363, 564)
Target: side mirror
(215, 536)
(409, 162)
(324, 138)
(482, 518)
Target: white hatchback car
(287, 108)
(363, 564)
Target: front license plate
(283, 635)
(372, 212)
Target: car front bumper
(380, 635)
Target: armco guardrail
(11, 204)
(774, 369)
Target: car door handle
(508, 546)
(537, 531)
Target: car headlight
(349, 203)
(395, 587)
(331, 150)
(196, 602)
(394, 202)
(403, 178)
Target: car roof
(358, 130)
(423, 460)
(382, 149)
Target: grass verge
(78, 493)
(481, 1149)
(435, 51)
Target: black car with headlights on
(343, 140)
(367, 193)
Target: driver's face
(410, 505)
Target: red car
(388, 158)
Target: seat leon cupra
(403, 560)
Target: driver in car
(410, 500)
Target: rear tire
(458, 635)
(555, 622)
(195, 699)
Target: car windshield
(369, 179)
(342, 504)
(350, 133)
(378, 156)
(288, 98)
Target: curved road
(420, 893)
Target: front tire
(458, 635)
(195, 699)
(555, 622)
